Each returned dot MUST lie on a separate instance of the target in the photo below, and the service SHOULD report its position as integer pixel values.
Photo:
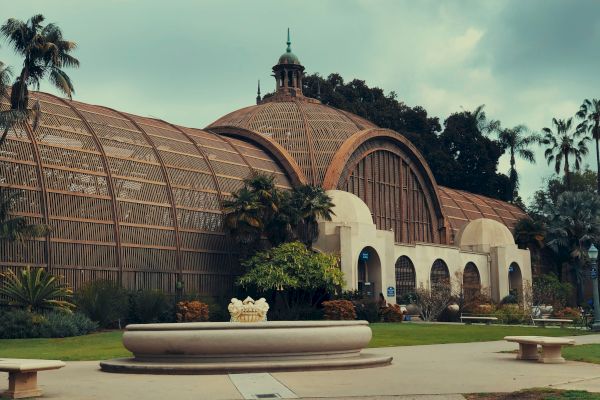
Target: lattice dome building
(138, 199)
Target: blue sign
(391, 291)
(594, 273)
(364, 255)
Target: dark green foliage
(367, 310)
(20, 324)
(548, 289)
(16, 228)
(510, 299)
(103, 301)
(148, 306)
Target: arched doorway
(369, 273)
(406, 280)
(439, 276)
(515, 280)
(471, 281)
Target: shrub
(192, 311)
(568, 313)
(510, 299)
(20, 324)
(339, 310)
(408, 298)
(367, 310)
(60, 324)
(148, 306)
(103, 301)
(35, 290)
(392, 313)
(548, 289)
(433, 302)
(511, 314)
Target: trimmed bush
(20, 324)
(511, 314)
(367, 310)
(392, 313)
(192, 311)
(148, 306)
(339, 310)
(568, 313)
(103, 301)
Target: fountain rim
(179, 326)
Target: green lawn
(586, 352)
(402, 334)
(105, 345)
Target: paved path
(428, 371)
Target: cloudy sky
(191, 61)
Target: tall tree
(562, 143)
(45, 53)
(311, 203)
(517, 141)
(573, 225)
(589, 112)
(470, 158)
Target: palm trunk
(513, 175)
(567, 172)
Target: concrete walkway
(432, 372)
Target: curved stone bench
(551, 348)
(209, 347)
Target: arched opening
(406, 280)
(439, 276)
(369, 273)
(471, 281)
(515, 280)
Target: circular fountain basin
(223, 347)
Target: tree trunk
(567, 172)
(513, 175)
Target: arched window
(471, 281)
(406, 280)
(515, 280)
(440, 276)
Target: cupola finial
(289, 43)
(258, 99)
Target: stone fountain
(247, 344)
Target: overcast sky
(189, 62)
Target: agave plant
(35, 290)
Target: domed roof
(484, 232)
(349, 208)
(289, 58)
(309, 131)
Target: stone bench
(544, 321)
(22, 376)
(551, 348)
(467, 319)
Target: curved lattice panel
(460, 207)
(128, 198)
(387, 181)
(310, 132)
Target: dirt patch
(536, 394)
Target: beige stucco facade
(486, 243)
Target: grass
(385, 335)
(106, 345)
(585, 352)
(96, 346)
(537, 394)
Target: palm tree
(531, 234)
(562, 144)
(517, 141)
(484, 124)
(573, 225)
(7, 117)
(243, 217)
(45, 53)
(311, 203)
(589, 112)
